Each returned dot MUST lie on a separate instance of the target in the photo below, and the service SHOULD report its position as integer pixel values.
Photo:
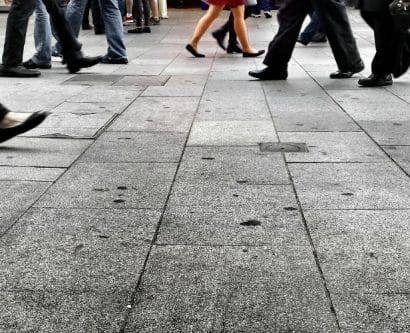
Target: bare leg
(240, 28)
(154, 8)
(129, 6)
(204, 23)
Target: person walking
(387, 39)
(229, 27)
(13, 124)
(336, 24)
(17, 23)
(141, 14)
(313, 32)
(215, 8)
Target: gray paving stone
(79, 250)
(16, 197)
(401, 155)
(231, 133)
(65, 311)
(360, 256)
(41, 152)
(388, 132)
(91, 108)
(90, 79)
(244, 165)
(96, 185)
(230, 194)
(30, 173)
(309, 114)
(142, 80)
(228, 226)
(173, 114)
(106, 95)
(296, 86)
(233, 289)
(116, 147)
(368, 313)
(334, 147)
(351, 186)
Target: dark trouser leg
(384, 32)
(231, 26)
(97, 17)
(291, 16)
(138, 12)
(70, 45)
(17, 22)
(86, 17)
(336, 24)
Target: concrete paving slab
(30, 173)
(237, 289)
(136, 147)
(368, 313)
(388, 132)
(79, 250)
(351, 186)
(221, 194)
(231, 133)
(334, 147)
(41, 152)
(16, 197)
(309, 114)
(96, 185)
(172, 114)
(252, 226)
(80, 108)
(106, 95)
(142, 80)
(65, 311)
(241, 165)
(401, 155)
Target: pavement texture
(176, 195)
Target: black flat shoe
(253, 55)
(302, 41)
(18, 71)
(220, 38)
(137, 30)
(340, 74)
(33, 121)
(267, 74)
(376, 81)
(30, 64)
(114, 61)
(234, 48)
(75, 65)
(194, 52)
(146, 30)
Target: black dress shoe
(341, 74)
(252, 54)
(34, 120)
(220, 38)
(269, 74)
(234, 48)
(194, 52)
(137, 30)
(319, 37)
(30, 64)
(18, 71)
(375, 80)
(302, 41)
(146, 30)
(74, 65)
(114, 61)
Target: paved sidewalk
(146, 203)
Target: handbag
(400, 11)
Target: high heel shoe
(194, 52)
(253, 55)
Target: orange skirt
(230, 3)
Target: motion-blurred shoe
(18, 71)
(375, 80)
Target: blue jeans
(313, 27)
(42, 35)
(42, 29)
(265, 5)
(114, 32)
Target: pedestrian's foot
(319, 37)
(269, 74)
(14, 124)
(30, 64)
(194, 52)
(375, 80)
(146, 30)
(253, 54)
(87, 26)
(302, 41)
(137, 30)
(220, 38)
(267, 14)
(18, 71)
(234, 48)
(347, 74)
(114, 61)
(256, 15)
(155, 20)
(76, 64)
